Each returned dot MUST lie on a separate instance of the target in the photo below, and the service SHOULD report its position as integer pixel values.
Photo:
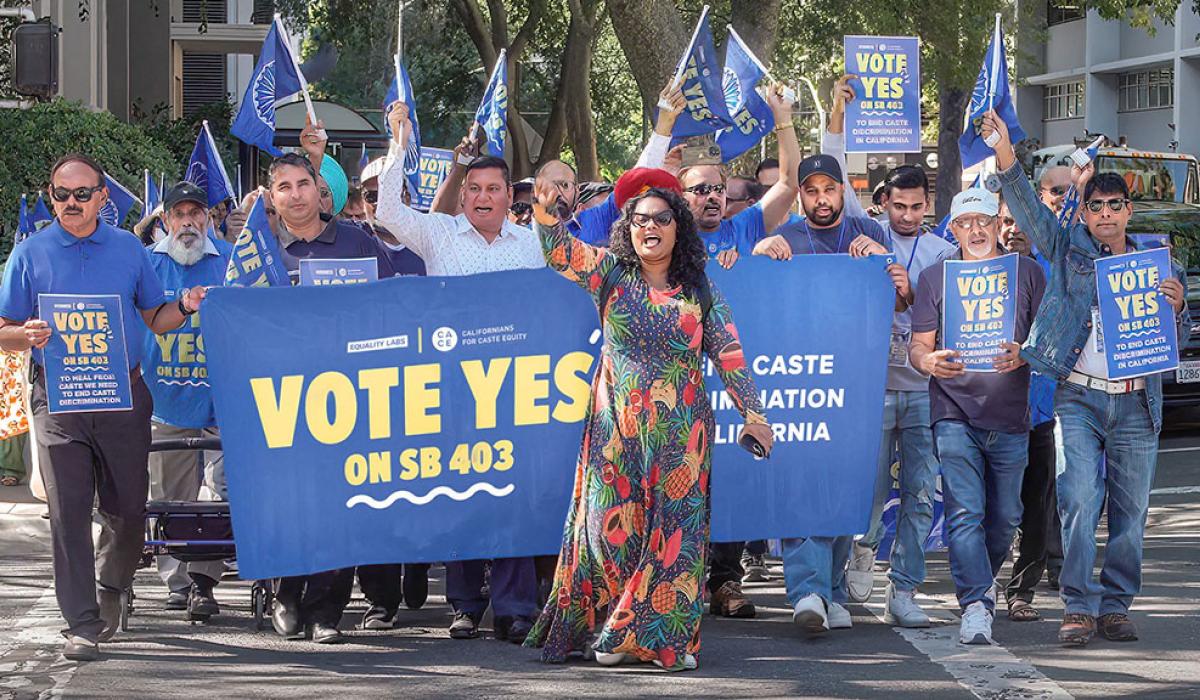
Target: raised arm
(584, 264)
(833, 141)
(447, 199)
(777, 203)
(410, 227)
(1032, 217)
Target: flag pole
(677, 78)
(400, 27)
(308, 103)
(997, 51)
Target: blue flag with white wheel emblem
(752, 117)
(256, 261)
(41, 214)
(150, 192)
(992, 91)
(206, 170)
(276, 76)
(492, 114)
(401, 91)
(120, 202)
(700, 77)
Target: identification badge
(898, 349)
(1099, 330)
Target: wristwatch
(183, 309)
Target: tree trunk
(757, 22)
(580, 122)
(952, 103)
(652, 36)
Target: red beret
(638, 180)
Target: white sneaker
(609, 659)
(902, 609)
(839, 617)
(689, 663)
(976, 627)
(860, 574)
(809, 613)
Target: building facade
(1080, 75)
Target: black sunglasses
(81, 194)
(1097, 205)
(370, 196)
(703, 190)
(521, 208)
(662, 218)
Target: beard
(186, 248)
(822, 221)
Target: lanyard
(841, 233)
(913, 254)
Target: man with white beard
(176, 373)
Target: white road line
(988, 672)
(1170, 490)
(29, 656)
(1178, 449)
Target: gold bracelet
(781, 127)
(753, 418)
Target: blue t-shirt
(741, 232)
(109, 261)
(592, 226)
(176, 371)
(805, 239)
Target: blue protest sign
(1138, 325)
(979, 309)
(86, 363)
(823, 394)
(885, 116)
(317, 272)
(435, 165)
(256, 261)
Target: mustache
(74, 210)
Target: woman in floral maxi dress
(630, 571)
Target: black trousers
(1040, 547)
(320, 598)
(84, 457)
(725, 564)
(382, 584)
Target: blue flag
(493, 109)
(276, 76)
(992, 91)
(41, 214)
(401, 90)
(256, 261)
(24, 225)
(151, 193)
(120, 202)
(206, 171)
(1071, 201)
(700, 78)
(752, 117)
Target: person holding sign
(1118, 421)
(85, 454)
(178, 380)
(980, 418)
(630, 570)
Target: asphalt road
(165, 657)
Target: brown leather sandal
(1021, 611)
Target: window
(1063, 101)
(1153, 89)
(1059, 11)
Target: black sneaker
(378, 617)
(755, 568)
(464, 627)
(177, 600)
(201, 603)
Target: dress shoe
(378, 617)
(177, 600)
(325, 634)
(79, 648)
(729, 601)
(1117, 627)
(513, 629)
(464, 627)
(286, 620)
(416, 585)
(1077, 629)
(110, 612)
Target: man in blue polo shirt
(177, 375)
(89, 454)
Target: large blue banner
(979, 310)
(86, 364)
(438, 419)
(885, 117)
(1137, 325)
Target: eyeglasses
(1057, 190)
(81, 194)
(371, 196)
(662, 218)
(704, 190)
(521, 208)
(1097, 205)
(326, 193)
(975, 222)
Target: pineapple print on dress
(637, 529)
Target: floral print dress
(632, 562)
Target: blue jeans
(816, 565)
(982, 472)
(906, 421)
(1120, 428)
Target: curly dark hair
(687, 258)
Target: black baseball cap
(185, 191)
(820, 164)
